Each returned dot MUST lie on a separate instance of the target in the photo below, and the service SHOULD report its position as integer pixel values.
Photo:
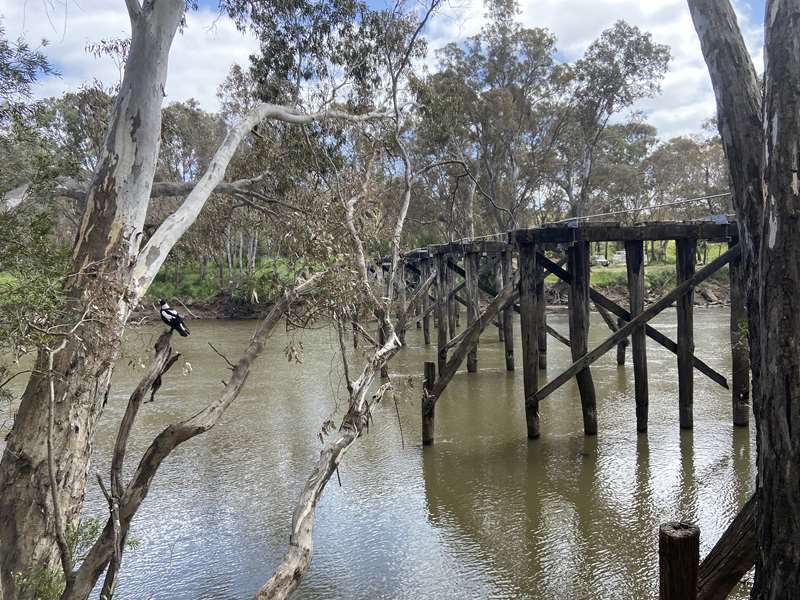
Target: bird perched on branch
(171, 317)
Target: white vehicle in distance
(599, 259)
(620, 258)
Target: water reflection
(483, 513)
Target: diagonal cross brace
(459, 271)
(624, 331)
(652, 332)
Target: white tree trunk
(107, 243)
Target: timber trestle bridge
(445, 276)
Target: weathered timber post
(426, 302)
(684, 260)
(541, 315)
(622, 345)
(451, 300)
(508, 314)
(442, 289)
(428, 405)
(472, 261)
(401, 285)
(498, 285)
(578, 259)
(740, 354)
(678, 560)
(456, 303)
(530, 335)
(634, 253)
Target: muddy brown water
(483, 514)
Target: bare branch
(222, 356)
(170, 231)
(170, 438)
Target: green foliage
(609, 276)
(660, 279)
(20, 67)
(41, 584)
(33, 267)
(48, 584)
(303, 40)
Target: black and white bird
(171, 317)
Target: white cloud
(200, 58)
(686, 99)
(202, 55)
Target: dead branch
(134, 493)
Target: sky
(202, 55)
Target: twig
(194, 316)
(343, 352)
(221, 355)
(399, 422)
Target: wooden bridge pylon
(530, 247)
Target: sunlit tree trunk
(106, 247)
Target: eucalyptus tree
(20, 67)
(760, 128)
(621, 181)
(621, 67)
(43, 473)
(689, 167)
(490, 106)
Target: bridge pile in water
(459, 284)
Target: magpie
(171, 317)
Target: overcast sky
(202, 55)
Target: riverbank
(713, 292)
(225, 306)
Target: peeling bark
(761, 145)
(107, 242)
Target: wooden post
(451, 302)
(578, 259)
(541, 314)
(421, 305)
(622, 344)
(740, 354)
(634, 253)
(732, 556)
(498, 284)
(652, 333)
(426, 302)
(442, 290)
(400, 283)
(472, 261)
(530, 335)
(625, 331)
(684, 259)
(508, 314)
(428, 405)
(678, 559)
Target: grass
(271, 275)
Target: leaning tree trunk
(761, 146)
(105, 249)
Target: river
(482, 514)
